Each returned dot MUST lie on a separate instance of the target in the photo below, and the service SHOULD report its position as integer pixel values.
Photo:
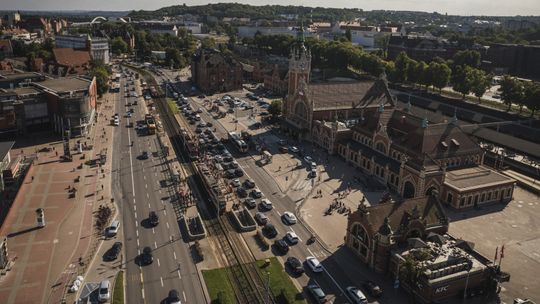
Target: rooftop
(474, 177)
(5, 146)
(64, 85)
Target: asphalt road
(141, 186)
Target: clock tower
(299, 64)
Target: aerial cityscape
(156, 152)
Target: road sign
(396, 284)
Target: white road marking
(142, 291)
(135, 208)
(185, 300)
(138, 243)
(146, 186)
(141, 277)
(147, 195)
(161, 279)
(158, 264)
(278, 212)
(137, 233)
(167, 223)
(135, 214)
(139, 253)
(179, 276)
(155, 244)
(174, 254)
(165, 212)
(149, 207)
(136, 224)
(144, 177)
(153, 232)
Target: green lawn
(218, 286)
(280, 283)
(118, 292)
(172, 105)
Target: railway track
(243, 272)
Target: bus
(151, 124)
(238, 142)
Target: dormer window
(455, 142)
(444, 145)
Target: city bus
(238, 142)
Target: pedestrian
(56, 153)
(32, 178)
(101, 187)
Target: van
(104, 293)
(113, 229)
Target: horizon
(451, 8)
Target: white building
(193, 27)
(98, 47)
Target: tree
(174, 58)
(511, 90)
(480, 82)
(467, 57)
(99, 70)
(440, 74)
(275, 108)
(119, 46)
(208, 43)
(401, 67)
(461, 81)
(531, 96)
(348, 35)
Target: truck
(150, 123)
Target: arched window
(380, 147)
(360, 241)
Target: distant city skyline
(452, 7)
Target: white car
(235, 182)
(266, 204)
(314, 264)
(104, 293)
(356, 295)
(308, 159)
(289, 218)
(117, 122)
(294, 149)
(291, 237)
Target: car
(230, 174)
(104, 292)
(199, 110)
(235, 182)
(261, 218)
(249, 183)
(202, 124)
(256, 193)
(270, 231)
(112, 230)
(218, 158)
(250, 202)
(173, 297)
(116, 122)
(128, 114)
(209, 124)
(281, 246)
(373, 289)
(313, 165)
(356, 295)
(283, 149)
(241, 192)
(113, 253)
(289, 218)
(227, 157)
(294, 149)
(238, 172)
(294, 265)
(266, 204)
(291, 237)
(265, 106)
(308, 159)
(312, 173)
(153, 218)
(234, 165)
(317, 293)
(146, 256)
(144, 155)
(282, 142)
(314, 264)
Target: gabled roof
(70, 57)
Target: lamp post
(466, 284)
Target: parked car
(314, 264)
(238, 172)
(294, 149)
(289, 218)
(294, 265)
(235, 182)
(104, 292)
(281, 246)
(373, 289)
(250, 203)
(316, 291)
(308, 159)
(112, 230)
(266, 204)
(113, 253)
(356, 295)
(249, 184)
(291, 237)
(261, 218)
(146, 256)
(256, 193)
(270, 231)
(241, 192)
(144, 155)
(173, 297)
(230, 173)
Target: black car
(173, 297)
(238, 172)
(146, 256)
(153, 218)
(249, 184)
(226, 166)
(295, 265)
(270, 231)
(113, 253)
(281, 246)
(250, 202)
(241, 192)
(373, 289)
(228, 158)
(144, 155)
(230, 173)
(209, 124)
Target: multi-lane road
(140, 186)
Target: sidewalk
(49, 257)
(527, 182)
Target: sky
(453, 7)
